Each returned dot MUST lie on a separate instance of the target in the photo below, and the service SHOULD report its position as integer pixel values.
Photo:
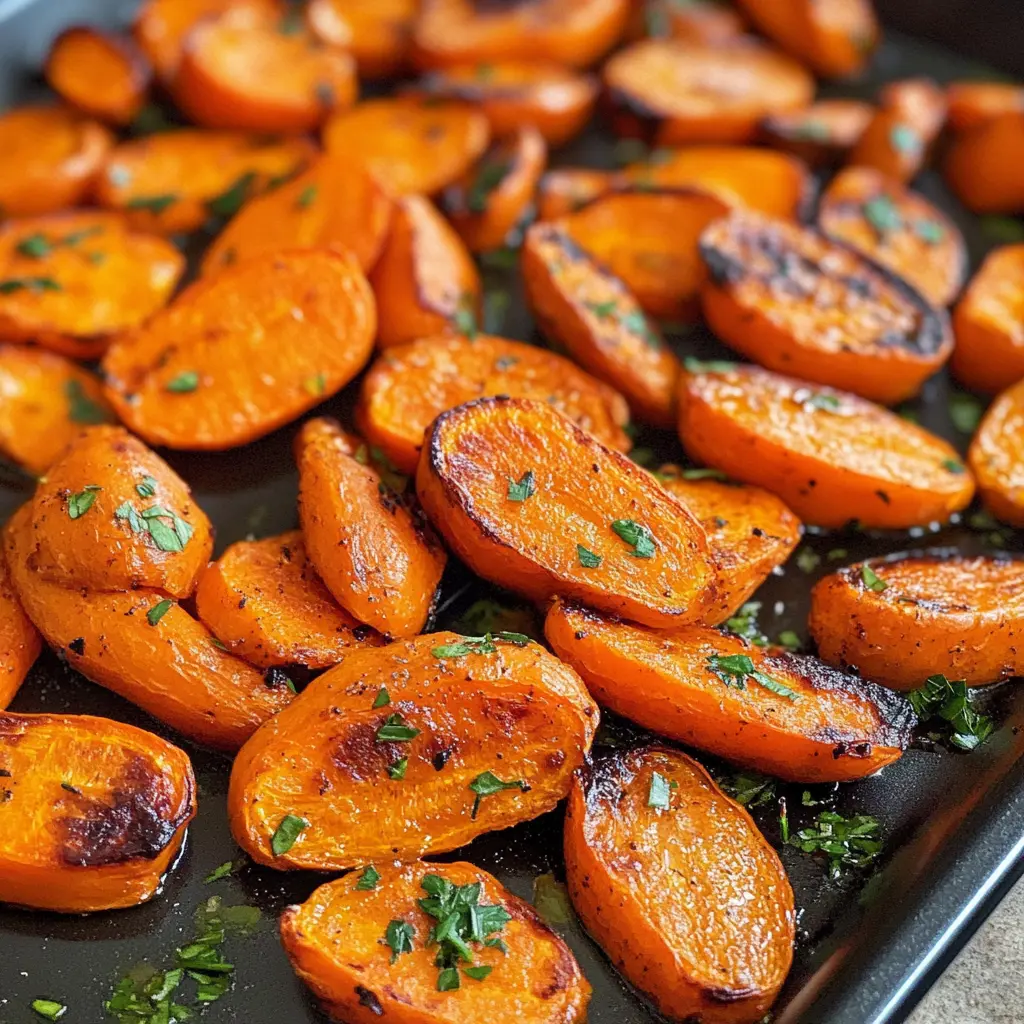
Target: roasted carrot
(408, 387)
(587, 309)
(175, 181)
(334, 202)
(709, 934)
(528, 500)
(971, 104)
(980, 165)
(46, 401)
(899, 137)
(832, 457)
(425, 281)
(898, 228)
(378, 33)
(20, 642)
(801, 303)
(750, 532)
(566, 189)
(411, 145)
(821, 134)
(245, 350)
(491, 203)
(997, 456)
(555, 100)
(672, 93)
(100, 73)
(696, 21)
(649, 240)
(989, 351)
(51, 156)
(382, 757)
(95, 812)
(71, 281)
(262, 72)
(370, 545)
(335, 943)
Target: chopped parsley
(659, 795)
(168, 531)
(703, 474)
(30, 284)
(881, 213)
(183, 383)
(636, 536)
(489, 176)
(368, 879)
(905, 140)
(587, 558)
(81, 408)
(488, 784)
(708, 366)
(817, 400)
(397, 770)
(951, 703)
(158, 611)
(80, 503)
(316, 385)
(286, 833)
(930, 232)
(603, 310)
(464, 318)
(221, 871)
(49, 1008)
(155, 204)
(523, 488)
(486, 644)
(965, 411)
(146, 488)
(231, 200)
(751, 789)
(744, 624)
(306, 197)
(38, 246)
(735, 669)
(398, 938)
(383, 698)
(837, 554)
(790, 640)
(846, 842)
(807, 560)
(551, 901)
(872, 580)
(953, 466)
(395, 730)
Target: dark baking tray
(869, 946)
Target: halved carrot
(900, 620)
(378, 33)
(989, 351)
(971, 104)
(260, 72)
(46, 401)
(695, 21)
(554, 99)
(370, 545)
(565, 189)
(571, 32)
(51, 156)
(244, 351)
(649, 240)
(823, 133)
(835, 38)
(801, 303)
(408, 387)
(673, 93)
(832, 457)
(530, 501)
(786, 714)
(675, 882)
(996, 456)
(980, 165)
(898, 228)
(425, 281)
(175, 181)
(750, 532)
(72, 281)
(103, 74)
(587, 309)
(382, 757)
(491, 203)
(410, 145)
(264, 601)
(898, 138)
(20, 642)
(334, 202)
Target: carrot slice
(100, 73)
(566, 189)
(971, 104)
(649, 240)
(51, 156)
(899, 137)
(175, 181)
(821, 134)
(378, 33)
(786, 714)
(530, 501)
(72, 281)
(571, 32)
(801, 303)
(244, 351)
(981, 165)
(997, 456)
(260, 72)
(20, 642)
(409, 387)
(832, 457)
(379, 754)
(696, 21)
(587, 309)
(899, 229)
(333, 202)
(425, 281)
(750, 532)
(672, 92)
(106, 806)
(989, 351)
(369, 544)
(410, 145)
(900, 620)
(555, 100)
(334, 942)
(709, 934)
(491, 203)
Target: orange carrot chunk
(996, 456)
(821, 134)
(980, 165)
(20, 642)
(378, 33)
(976, 103)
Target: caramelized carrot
(821, 134)
(20, 642)
(800, 303)
(378, 33)
(997, 456)
(566, 189)
(971, 104)
(245, 350)
(980, 165)
(696, 21)
(830, 456)
(786, 714)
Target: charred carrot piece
(997, 456)
(832, 457)
(567, 189)
(20, 642)
(697, 21)
(980, 165)
(821, 134)
(801, 303)
(245, 350)
(378, 33)
(971, 104)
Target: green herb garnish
(155, 204)
(807, 560)
(397, 770)
(965, 411)
(316, 385)
(81, 408)
(183, 383)
(929, 231)
(551, 901)
(751, 789)
(790, 640)
(486, 644)
(636, 536)
(523, 488)
(221, 871)
(489, 176)
(231, 200)
(158, 611)
(368, 879)
(905, 140)
(286, 833)
(383, 698)
(306, 197)
(31, 284)
(398, 938)
(872, 580)
(168, 531)
(735, 669)
(951, 702)
(708, 366)
(846, 842)
(394, 730)
(488, 784)
(703, 474)
(744, 623)
(587, 558)
(953, 466)
(80, 503)
(881, 213)
(660, 793)
(146, 488)
(49, 1008)
(464, 318)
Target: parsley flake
(489, 176)
(30, 284)
(231, 200)
(735, 669)
(703, 474)
(953, 466)
(80, 503)
(183, 383)
(146, 488)
(636, 536)
(394, 730)
(708, 366)
(383, 698)
(464, 318)
(751, 789)
(397, 770)
(155, 204)
(951, 703)
(881, 213)
(872, 580)
(846, 842)
(905, 140)
(965, 411)
(486, 644)
(306, 197)
(587, 558)
(368, 879)
(49, 1008)
(523, 488)
(398, 937)
(81, 408)
(660, 794)
(488, 784)
(221, 871)
(286, 833)
(167, 530)
(158, 611)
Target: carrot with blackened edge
(996, 456)
(971, 104)
(821, 134)
(563, 190)
(20, 642)
(981, 164)
(378, 33)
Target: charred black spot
(77, 646)
(731, 995)
(441, 758)
(862, 749)
(361, 632)
(242, 601)
(370, 1001)
(633, 114)
(275, 677)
